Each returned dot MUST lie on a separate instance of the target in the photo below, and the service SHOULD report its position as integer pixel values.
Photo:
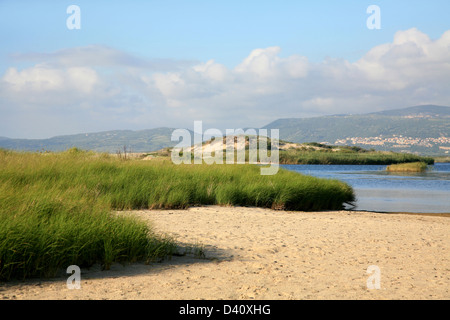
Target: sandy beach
(253, 253)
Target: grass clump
(58, 209)
(408, 167)
(442, 159)
(349, 156)
(318, 153)
(51, 216)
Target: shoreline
(446, 215)
(255, 253)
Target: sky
(231, 64)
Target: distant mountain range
(420, 129)
(107, 141)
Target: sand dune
(254, 253)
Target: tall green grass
(348, 157)
(57, 209)
(408, 167)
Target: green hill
(421, 129)
(107, 141)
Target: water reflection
(379, 190)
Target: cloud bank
(100, 88)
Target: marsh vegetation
(59, 209)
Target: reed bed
(350, 158)
(59, 209)
(408, 167)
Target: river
(379, 190)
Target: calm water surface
(378, 190)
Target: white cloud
(33, 79)
(105, 85)
(100, 56)
(40, 80)
(412, 59)
(212, 71)
(266, 64)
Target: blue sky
(185, 34)
(222, 30)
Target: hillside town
(398, 141)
